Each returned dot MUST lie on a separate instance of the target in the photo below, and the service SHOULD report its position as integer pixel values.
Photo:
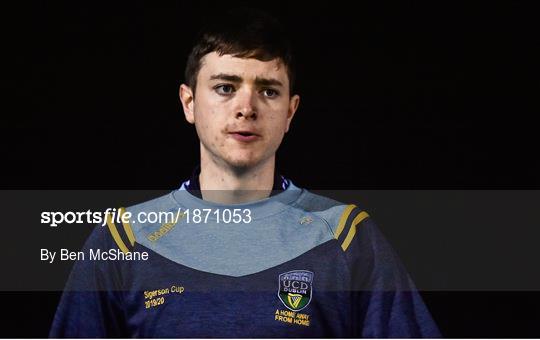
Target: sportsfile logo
(168, 218)
(117, 216)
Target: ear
(293, 106)
(187, 98)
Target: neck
(228, 185)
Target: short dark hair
(242, 33)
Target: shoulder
(343, 219)
(129, 225)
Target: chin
(243, 163)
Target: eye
(224, 89)
(270, 93)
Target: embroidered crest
(295, 289)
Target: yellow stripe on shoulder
(127, 228)
(343, 219)
(115, 234)
(352, 230)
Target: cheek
(210, 127)
(278, 122)
(277, 125)
(219, 141)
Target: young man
(249, 254)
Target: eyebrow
(237, 79)
(226, 77)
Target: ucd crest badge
(295, 289)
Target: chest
(305, 297)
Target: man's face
(241, 109)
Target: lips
(244, 135)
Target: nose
(247, 106)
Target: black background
(409, 95)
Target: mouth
(244, 136)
